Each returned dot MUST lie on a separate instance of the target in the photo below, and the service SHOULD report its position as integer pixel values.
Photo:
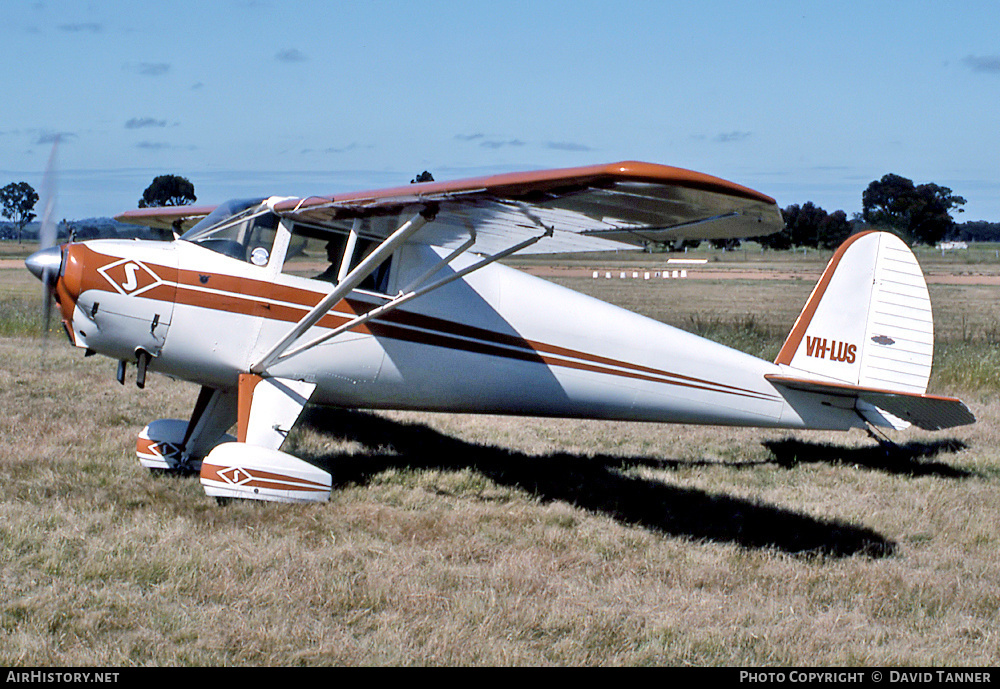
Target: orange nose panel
(70, 283)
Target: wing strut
(443, 262)
(352, 243)
(350, 281)
(414, 292)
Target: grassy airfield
(464, 540)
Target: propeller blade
(47, 230)
(46, 312)
(47, 237)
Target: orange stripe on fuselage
(257, 298)
(276, 302)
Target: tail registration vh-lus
(394, 299)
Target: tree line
(18, 199)
(919, 213)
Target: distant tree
(168, 190)
(834, 229)
(18, 201)
(918, 213)
(976, 231)
(809, 225)
(731, 244)
(888, 201)
(803, 223)
(933, 220)
(778, 241)
(681, 244)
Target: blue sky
(803, 101)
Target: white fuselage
(495, 341)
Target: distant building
(949, 246)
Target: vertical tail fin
(867, 323)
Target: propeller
(46, 262)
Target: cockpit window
(320, 254)
(241, 229)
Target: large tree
(168, 190)
(919, 213)
(18, 201)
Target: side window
(306, 255)
(334, 253)
(249, 238)
(378, 281)
(319, 254)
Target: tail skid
(867, 333)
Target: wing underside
(599, 208)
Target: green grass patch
(967, 366)
(747, 333)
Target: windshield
(242, 228)
(224, 211)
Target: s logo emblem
(130, 280)
(130, 277)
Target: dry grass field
(463, 540)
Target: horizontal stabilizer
(930, 412)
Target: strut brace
(283, 349)
(350, 281)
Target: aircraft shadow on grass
(595, 483)
(909, 459)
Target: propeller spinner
(44, 264)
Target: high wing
(175, 218)
(596, 208)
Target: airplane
(396, 299)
